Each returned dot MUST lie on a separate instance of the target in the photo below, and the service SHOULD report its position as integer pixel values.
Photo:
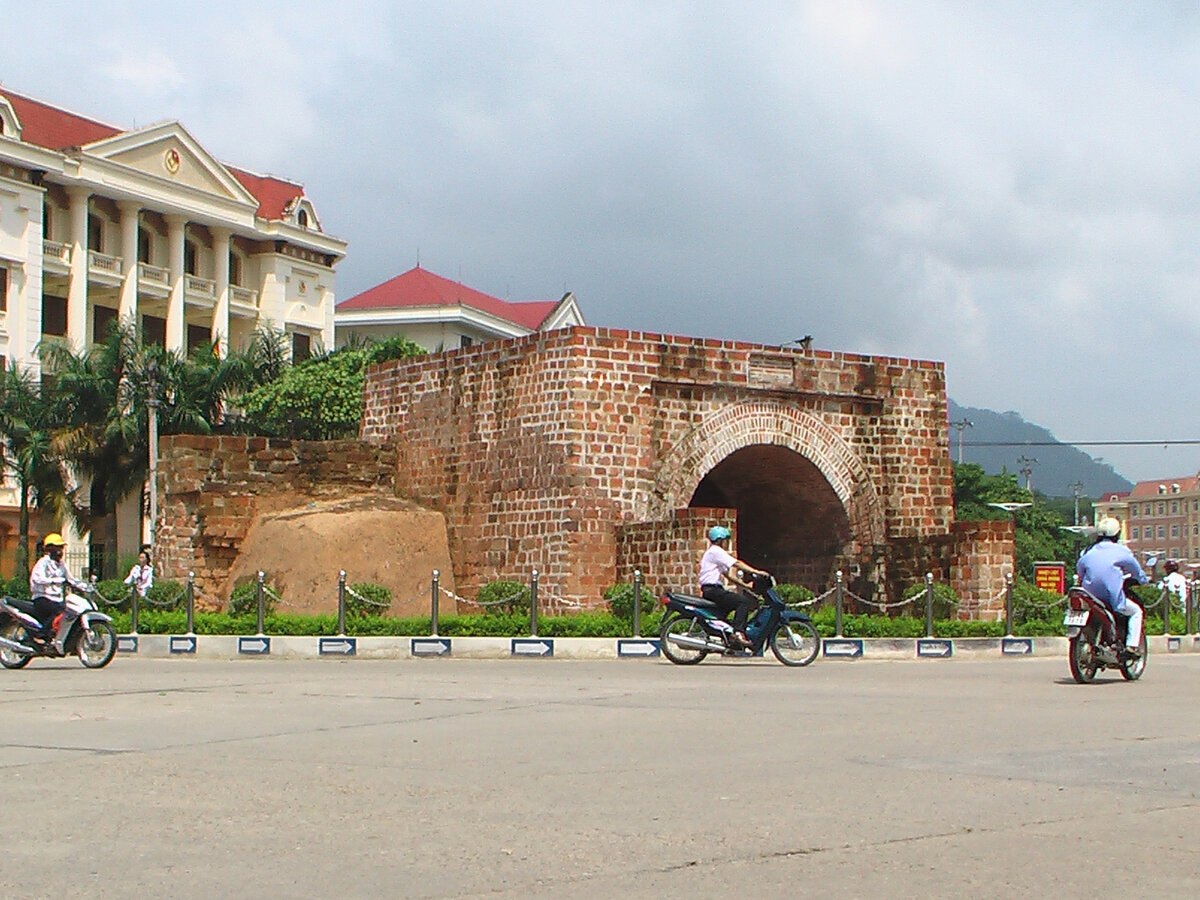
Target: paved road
(518, 779)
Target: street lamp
(1010, 507)
(152, 442)
(960, 426)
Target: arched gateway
(587, 452)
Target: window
(1174, 531)
(154, 330)
(1136, 533)
(143, 245)
(1146, 510)
(102, 319)
(198, 336)
(465, 341)
(1162, 509)
(3, 289)
(235, 269)
(1133, 513)
(1174, 507)
(301, 347)
(190, 257)
(302, 218)
(1196, 529)
(95, 234)
(54, 315)
(1162, 531)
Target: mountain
(1056, 468)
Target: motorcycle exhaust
(693, 643)
(13, 645)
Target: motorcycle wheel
(1082, 657)
(11, 659)
(681, 625)
(795, 643)
(1132, 669)
(97, 645)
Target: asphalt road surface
(630, 778)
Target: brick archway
(745, 424)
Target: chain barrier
(357, 596)
(885, 606)
(509, 599)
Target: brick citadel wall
(573, 452)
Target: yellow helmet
(53, 540)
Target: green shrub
(620, 601)
(244, 599)
(17, 586)
(945, 601)
(504, 597)
(114, 594)
(164, 595)
(365, 598)
(793, 594)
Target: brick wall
(551, 451)
(981, 554)
(214, 487)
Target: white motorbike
(79, 629)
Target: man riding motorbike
(716, 564)
(47, 582)
(1102, 570)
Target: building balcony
(56, 256)
(154, 280)
(243, 301)
(104, 268)
(199, 291)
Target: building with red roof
(144, 225)
(1160, 518)
(102, 224)
(438, 313)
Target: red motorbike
(1097, 637)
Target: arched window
(235, 269)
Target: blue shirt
(1102, 570)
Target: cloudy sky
(1010, 187)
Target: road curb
(203, 646)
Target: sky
(1012, 188)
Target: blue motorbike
(694, 627)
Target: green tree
(321, 398)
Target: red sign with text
(1050, 576)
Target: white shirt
(714, 564)
(1177, 585)
(47, 577)
(142, 579)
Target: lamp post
(152, 442)
(1076, 489)
(960, 426)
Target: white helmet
(1108, 527)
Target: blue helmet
(718, 533)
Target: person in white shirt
(1175, 583)
(718, 564)
(141, 576)
(48, 581)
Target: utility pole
(959, 426)
(152, 442)
(1026, 464)
(1076, 489)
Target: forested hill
(1057, 467)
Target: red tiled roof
(56, 129)
(1144, 489)
(419, 287)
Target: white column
(77, 293)
(129, 260)
(220, 321)
(176, 329)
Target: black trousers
(45, 609)
(726, 601)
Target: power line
(1079, 443)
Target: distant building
(440, 314)
(1160, 517)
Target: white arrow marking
(639, 649)
(336, 646)
(839, 649)
(539, 649)
(189, 643)
(430, 647)
(928, 649)
(1018, 647)
(256, 645)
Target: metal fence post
(1191, 604)
(434, 591)
(261, 602)
(839, 600)
(928, 604)
(637, 603)
(341, 603)
(190, 601)
(533, 603)
(133, 610)
(1008, 604)
(1165, 599)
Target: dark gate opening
(790, 520)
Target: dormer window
(1162, 488)
(1174, 489)
(302, 218)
